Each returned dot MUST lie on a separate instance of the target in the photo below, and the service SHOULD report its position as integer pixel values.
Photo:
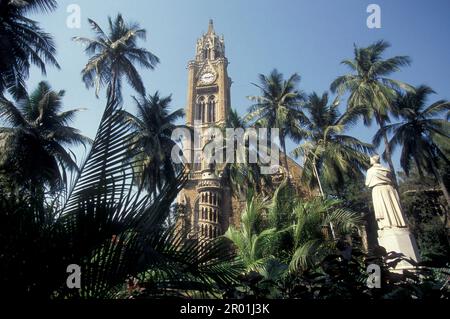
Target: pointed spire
(210, 26)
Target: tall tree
(242, 174)
(113, 55)
(422, 133)
(278, 106)
(329, 154)
(114, 232)
(22, 43)
(37, 135)
(153, 144)
(369, 86)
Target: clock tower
(205, 201)
(208, 100)
(206, 206)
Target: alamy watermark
(374, 278)
(208, 146)
(74, 279)
(374, 19)
(73, 20)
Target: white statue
(386, 203)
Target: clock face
(207, 77)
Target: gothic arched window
(200, 109)
(211, 109)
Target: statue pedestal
(399, 240)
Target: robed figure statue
(385, 197)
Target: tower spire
(211, 26)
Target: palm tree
(153, 144)
(291, 232)
(244, 176)
(113, 55)
(112, 230)
(419, 133)
(252, 240)
(38, 134)
(329, 154)
(312, 242)
(369, 86)
(22, 43)
(279, 106)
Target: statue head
(375, 159)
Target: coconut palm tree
(369, 86)
(38, 135)
(244, 175)
(278, 106)
(419, 133)
(112, 230)
(153, 144)
(329, 154)
(23, 43)
(113, 55)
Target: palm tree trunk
(443, 188)
(441, 185)
(286, 165)
(389, 159)
(388, 152)
(316, 174)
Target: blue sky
(307, 37)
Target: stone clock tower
(206, 207)
(205, 202)
(208, 100)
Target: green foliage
(23, 43)
(419, 127)
(425, 208)
(251, 239)
(153, 144)
(244, 177)
(329, 154)
(114, 217)
(113, 55)
(289, 252)
(422, 133)
(111, 230)
(369, 86)
(278, 239)
(279, 106)
(312, 242)
(36, 137)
